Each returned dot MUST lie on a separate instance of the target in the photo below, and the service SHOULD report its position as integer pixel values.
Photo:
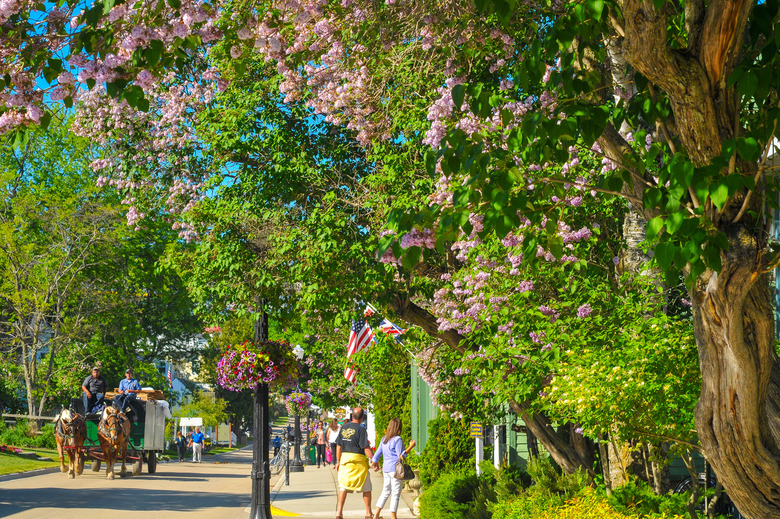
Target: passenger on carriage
(128, 388)
(94, 388)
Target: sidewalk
(312, 493)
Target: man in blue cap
(128, 389)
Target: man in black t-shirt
(352, 453)
(94, 388)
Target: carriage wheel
(151, 463)
(95, 465)
(138, 466)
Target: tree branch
(724, 24)
(413, 314)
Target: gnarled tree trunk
(737, 416)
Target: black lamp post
(261, 470)
(297, 464)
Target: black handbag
(403, 470)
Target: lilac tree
(678, 100)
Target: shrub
(450, 497)
(20, 436)
(465, 495)
(638, 498)
(448, 449)
(588, 504)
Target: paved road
(210, 489)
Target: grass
(13, 463)
(220, 450)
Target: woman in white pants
(390, 448)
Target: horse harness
(105, 429)
(67, 430)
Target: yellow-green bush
(587, 505)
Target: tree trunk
(561, 451)
(737, 416)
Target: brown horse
(70, 431)
(113, 434)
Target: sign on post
(476, 433)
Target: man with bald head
(352, 454)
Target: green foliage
(629, 380)
(391, 380)
(461, 493)
(450, 497)
(448, 448)
(586, 504)
(550, 490)
(638, 498)
(206, 406)
(21, 436)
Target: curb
(28, 474)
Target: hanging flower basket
(243, 365)
(298, 403)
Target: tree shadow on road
(116, 499)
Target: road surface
(212, 489)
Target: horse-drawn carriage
(145, 439)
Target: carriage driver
(128, 388)
(94, 388)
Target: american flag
(359, 338)
(388, 327)
(170, 382)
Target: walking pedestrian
(197, 445)
(181, 446)
(352, 453)
(391, 449)
(333, 433)
(322, 442)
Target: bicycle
(278, 462)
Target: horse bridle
(67, 429)
(104, 425)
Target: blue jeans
(121, 401)
(93, 401)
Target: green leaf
(664, 254)
(711, 256)
(682, 170)
(153, 52)
(748, 148)
(654, 226)
(503, 225)
(596, 7)
(652, 197)
(143, 104)
(674, 222)
(747, 83)
(411, 257)
(108, 5)
(719, 194)
(45, 120)
(556, 247)
(458, 93)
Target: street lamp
(261, 470)
(297, 464)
